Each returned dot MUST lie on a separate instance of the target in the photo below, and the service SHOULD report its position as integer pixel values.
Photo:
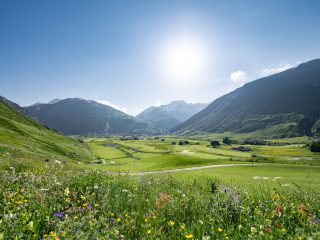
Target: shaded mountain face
(23, 134)
(281, 105)
(168, 116)
(76, 116)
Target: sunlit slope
(19, 133)
(281, 105)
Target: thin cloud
(280, 68)
(110, 104)
(238, 76)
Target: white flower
(276, 178)
(285, 185)
(253, 230)
(125, 190)
(257, 178)
(206, 238)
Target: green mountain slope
(281, 105)
(19, 133)
(77, 116)
(167, 116)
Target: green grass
(244, 175)
(29, 137)
(150, 155)
(50, 201)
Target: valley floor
(154, 189)
(293, 163)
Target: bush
(214, 143)
(226, 140)
(183, 142)
(315, 146)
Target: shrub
(315, 146)
(214, 143)
(226, 140)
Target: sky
(135, 54)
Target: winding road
(189, 169)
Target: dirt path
(190, 168)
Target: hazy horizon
(132, 55)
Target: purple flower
(80, 209)
(58, 214)
(90, 206)
(112, 220)
(314, 218)
(70, 209)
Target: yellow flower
(283, 230)
(118, 219)
(171, 223)
(149, 231)
(188, 236)
(85, 204)
(220, 230)
(82, 197)
(183, 227)
(299, 238)
(146, 220)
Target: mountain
(13, 105)
(168, 116)
(75, 116)
(51, 102)
(281, 105)
(20, 134)
(54, 101)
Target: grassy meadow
(42, 200)
(125, 192)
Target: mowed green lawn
(285, 174)
(294, 164)
(151, 155)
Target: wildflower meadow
(41, 200)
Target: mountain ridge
(76, 116)
(285, 98)
(167, 116)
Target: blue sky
(112, 51)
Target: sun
(183, 61)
